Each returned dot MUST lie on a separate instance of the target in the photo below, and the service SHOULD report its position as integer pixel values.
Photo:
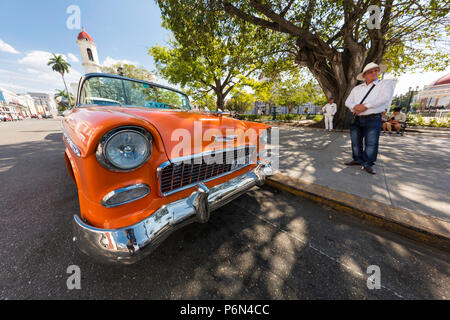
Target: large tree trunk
(220, 101)
(334, 67)
(336, 75)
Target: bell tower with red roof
(88, 50)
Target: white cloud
(412, 80)
(72, 57)
(108, 62)
(7, 48)
(37, 59)
(32, 72)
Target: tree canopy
(130, 71)
(288, 89)
(335, 39)
(61, 66)
(209, 52)
(240, 101)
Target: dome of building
(444, 80)
(84, 35)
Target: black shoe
(352, 163)
(370, 170)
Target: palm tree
(62, 66)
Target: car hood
(181, 133)
(194, 130)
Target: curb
(429, 230)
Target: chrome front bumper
(130, 244)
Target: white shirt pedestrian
(329, 110)
(377, 101)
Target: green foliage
(412, 33)
(281, 117)
(58, 64)
(202, 100)
(241, 101)
(209, 53)
(318, 117)
(290, 92)
(61, 66)
(128, 92)
(418, 120)
(130, 71)
(333, 41)
(250, 117)
(288, 89)
(403, 100)
(433, 123)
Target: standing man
(367, 102)
(328, 111)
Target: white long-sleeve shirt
(329, 109)
(377, 101)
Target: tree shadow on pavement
(264, 245)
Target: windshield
(106, 91)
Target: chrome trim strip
(72, 145)
(127, 188)
(130, 244)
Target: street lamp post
(409, 101)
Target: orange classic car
(146, 164)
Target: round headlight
(125, 149)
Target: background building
(264, 108)
(27, 101)
(435, 96)
(88, 50)
(44, 103)
(89, 55)
(14, 106)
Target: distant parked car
(5, 117)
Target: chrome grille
(185, 172)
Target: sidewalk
(413, 171)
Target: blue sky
(123, 31)
(30, 30)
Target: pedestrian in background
(367, 102)
(329, 110)
(397, 120)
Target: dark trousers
(365, 134)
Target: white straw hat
(369, 66)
